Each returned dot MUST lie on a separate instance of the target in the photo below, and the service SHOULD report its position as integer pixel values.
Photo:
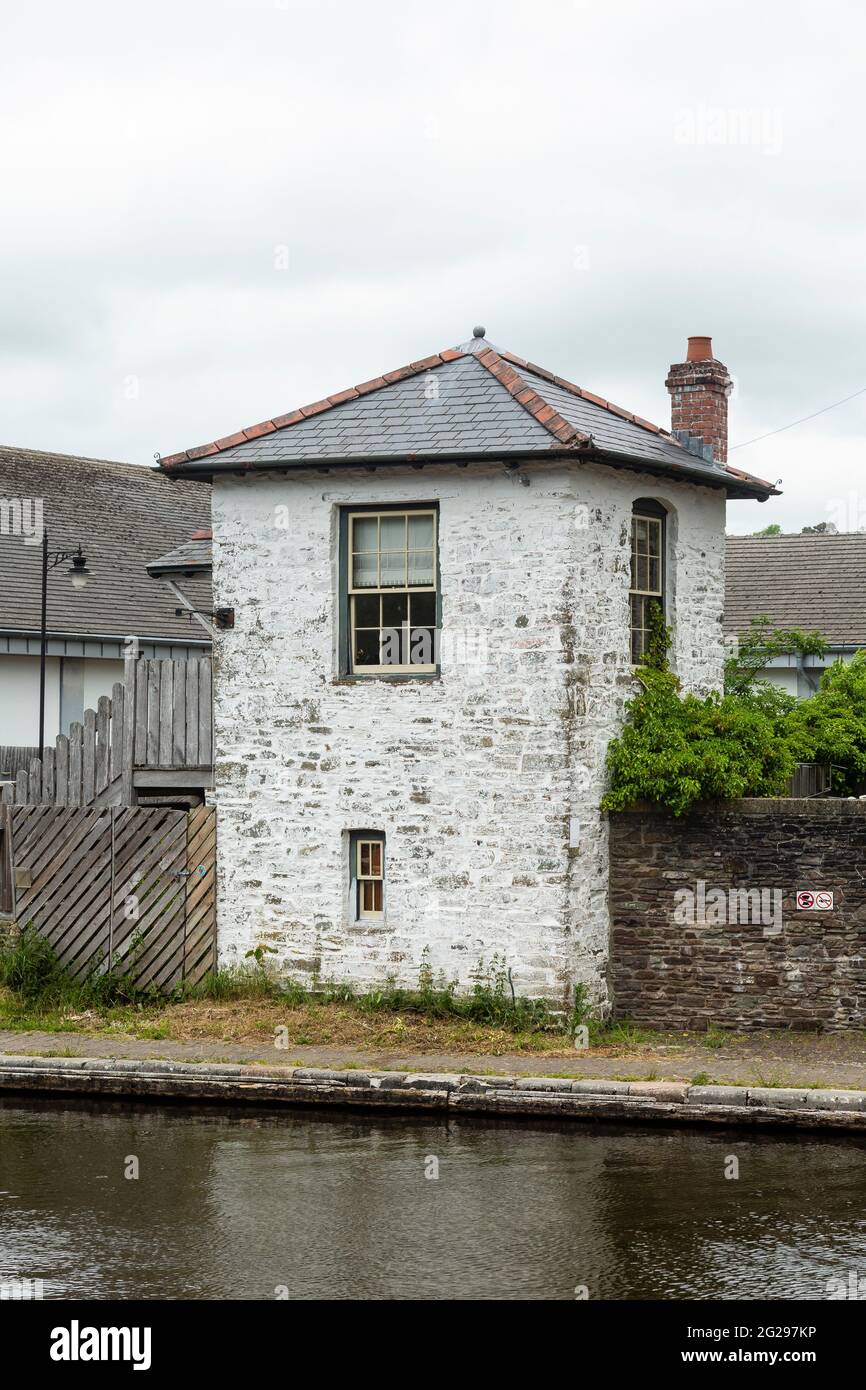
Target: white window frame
(380, 590)
(363, 914)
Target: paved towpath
(787, 1059)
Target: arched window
(647, 570)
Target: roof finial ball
(479, 332)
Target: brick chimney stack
(699, 389)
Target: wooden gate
(128, 887)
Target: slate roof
(123, 515)
(194, 556)
(813, 582)
(467, 403)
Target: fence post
(127, 743)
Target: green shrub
(677, 749)
(29, 967)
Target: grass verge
(249, 1004)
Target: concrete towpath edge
(507, 1097)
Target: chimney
(699, 389)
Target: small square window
(368, 875)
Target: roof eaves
(506, 367)
(766, 489)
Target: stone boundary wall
(496, 1097)
(737, 952)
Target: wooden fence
(13, 756)
(130, 888)
(154, 732)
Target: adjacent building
(815, 582)
(123, 516)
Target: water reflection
(234, 1205)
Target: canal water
(309, 1204)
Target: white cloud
(418, 172)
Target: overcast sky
(215, 211)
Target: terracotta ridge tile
(562, 430)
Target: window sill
(390, 678)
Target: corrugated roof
(123, 516)
(470, 401)
(812, 581)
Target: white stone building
(440, 579)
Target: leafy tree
(759, 646)
(830, 727)
(772, 530)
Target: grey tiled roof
(462, 403)
(813, 582)
(615, 435)
(191, 557)
(123, 516)
(471, 413)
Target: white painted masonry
(486, 782)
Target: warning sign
(809, 901)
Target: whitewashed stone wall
(486, 783)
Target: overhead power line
(801, 421)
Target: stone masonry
(486, 782)
(740, 962)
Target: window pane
(367, 895)
(421, 532)
(654, 576)
(366, 646)
(392, 533)
(366, 610)
(364, 571)
(376, 886)
(420, 566)
(392, 568)
(636, 629)
(376, 859)
(364, 533)
(392, 646)
(639, 531)
(365, 858)
(642, 572)
(422, 651)
(654, 538)
(395, 609)
(423, 610)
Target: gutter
(52, 636)
(206, 468)
(503, 1097)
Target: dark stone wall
(788, 968)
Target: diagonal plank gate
(129, 885)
